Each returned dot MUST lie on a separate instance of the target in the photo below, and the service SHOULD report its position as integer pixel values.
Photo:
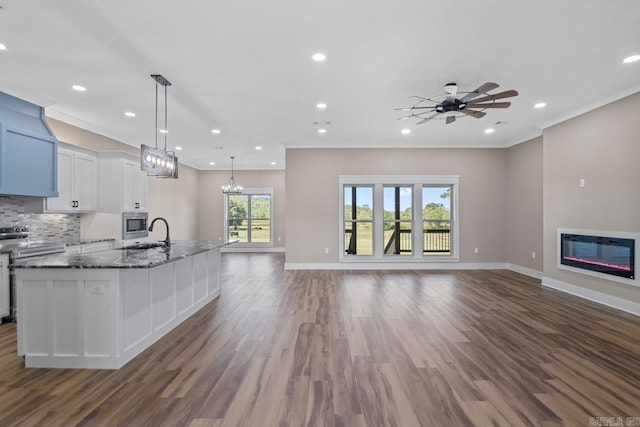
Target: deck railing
(436, 239)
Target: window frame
(250, 192)
(417, 182)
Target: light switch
(581, 182)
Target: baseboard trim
(526, 271)
(395, 266)
(232, 249)
(595, 296)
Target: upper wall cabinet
(27, 150)
(122, 186)
(77, 183)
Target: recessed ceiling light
(79, 88)
(273, 163)
(129, 114)
(215, 130)
(178, 148)
(406, 131)
(258, 147)
(540, 105)
(322, 131)
(630, 59)
(319, 57)
(490, 130)
(164, 131)
(321, 105)
(212, 163)
(2, 47)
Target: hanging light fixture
(232, 187)
(156, 161)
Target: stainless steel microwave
(134, 225)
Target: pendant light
(232, 187)
(156, 161)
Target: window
(436, 219)
(358, 220)
(248, 217)
(397, 220)
(404, 218)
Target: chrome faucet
(166, 241)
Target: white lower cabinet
(102, 318)
(85, 248)
(4, 285)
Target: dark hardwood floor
(352, 348)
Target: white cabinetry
(102, 318)
(85, 248)
(77, 183)
(122, 186)
(4, 285)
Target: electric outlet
(278, 238)
(581, 182)
(476, 250)
(533, 255)
(97, 290)
(326, 250)
(219, 239)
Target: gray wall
(524, 204)
(603, 148)
(211, 205)
(312, 195)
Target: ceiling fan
(450, 106)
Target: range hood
(28, 150)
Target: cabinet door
(65, 183)
(85, 180)
(129, 172)
(4, 285)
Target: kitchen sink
(144, 246)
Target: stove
(16, 245)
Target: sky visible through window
(364, 196)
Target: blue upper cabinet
(28, 150)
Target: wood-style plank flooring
(354, 348)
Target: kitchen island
(100, 310)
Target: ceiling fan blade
(450, 119)
(489, 105)
(479, 91)
(473, 113)
(427, 119)
(500, 95)
(418, 97)
(405, 117)
(403, 109)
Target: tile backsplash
(41, 226)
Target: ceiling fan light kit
(450, 107)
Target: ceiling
(245, 68)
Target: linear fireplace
(611, 255)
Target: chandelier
(156, 161)
(232, 187)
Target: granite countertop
(125, 258)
